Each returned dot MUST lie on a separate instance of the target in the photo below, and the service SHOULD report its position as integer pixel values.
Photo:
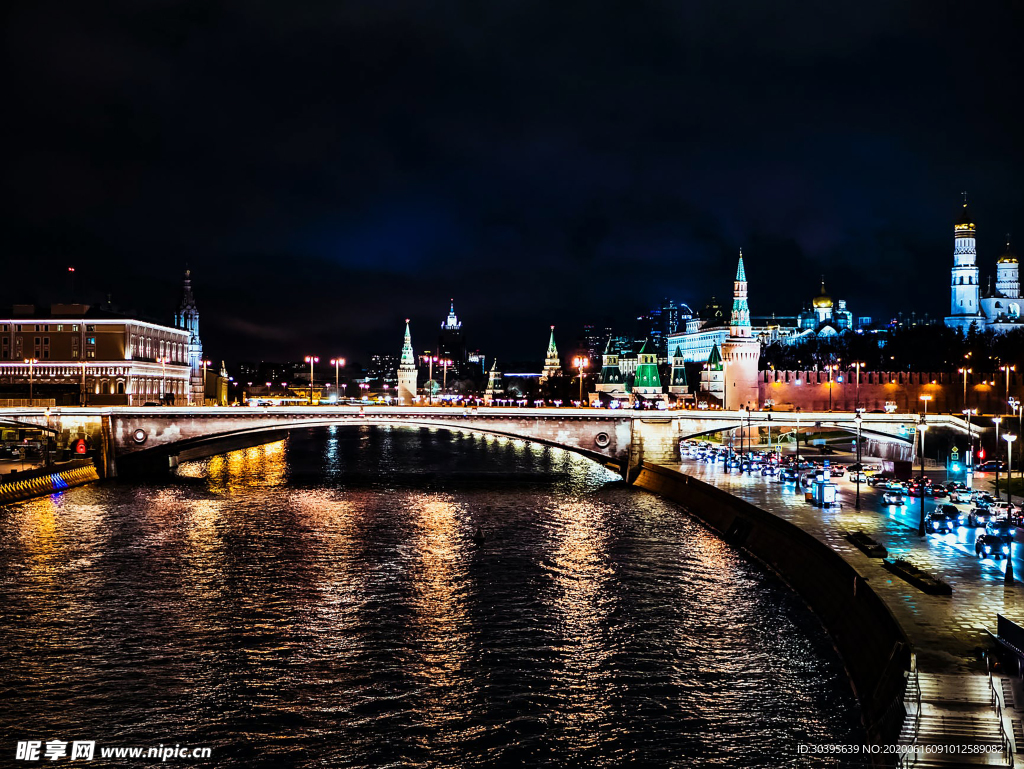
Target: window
(90, 329)
(74, 327)
(90, 340)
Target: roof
(1009, 257)
(965, 216)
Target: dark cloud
(328, 169)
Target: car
(836, 471)
(952, 486)
(858, 476)
(893, 485)
(978, 516)
(990, 466)
(789, 475)
(938, 523)
(1000, 527)
(1003, 511)
(769, 470)
(937, 492)
(893, 498)
(880, 479)
(992, 546)
(961, 496)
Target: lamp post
(431, 360)
(581, 362)
(337, 363)
(970, 439)
(311, 359)
(1009, 438)
(163, 376)
(997, 420)
(205, 364)
(856, 404)
(445, 363)
(831, 368)
(924, 399)
(31, 362)
(1007, 369)
(858, 419)
(965, 371)
(922, 426)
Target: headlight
(988, 548)
(935, 524)
(1006, 549)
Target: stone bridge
(134, 437)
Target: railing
(998, 705)
(907, 757)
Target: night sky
(328, 169)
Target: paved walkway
(947, 632)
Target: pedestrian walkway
(952, 698)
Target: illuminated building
(495, 388)
(552, 364)
(646, 381)
(451, 344)
(187, 318)
(741, 351)
(82, 354)
(824, 318)
(999, 309)
(407, 370)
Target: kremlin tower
(741, 352)
(407, 371)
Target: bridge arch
(147, 447)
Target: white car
(893, 498)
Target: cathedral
(998, 308)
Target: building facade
(999, 308)
(407, 371)
(75, 355)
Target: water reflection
(320, 601)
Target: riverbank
(16, 487)
(873, 645)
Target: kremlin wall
(901, 390)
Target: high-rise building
(451, 344)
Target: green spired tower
(646, 381)
(552, 365)
(407, 371)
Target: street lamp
(581, 362)
(311, 359)
(922, 426)
(856, 404)
(431, 360)
(31, 362)
(205, 364)
(1009, 438)
(337, 363)
(831, 368)
(1007, 369)
(965, 371)
(163, 375)
(997, 420)
(858, 419)
(445, 363)
(970, 439)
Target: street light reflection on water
(321, 601)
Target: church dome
(823, 300)
(1009, 257)
(965, 216)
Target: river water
(320, 601)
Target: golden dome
(1009, 257)
(823, 301)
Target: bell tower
(964, 306)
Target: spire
(408, 357)
(739, 323)
(741, 274)
(552, 364)
(452, 322)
